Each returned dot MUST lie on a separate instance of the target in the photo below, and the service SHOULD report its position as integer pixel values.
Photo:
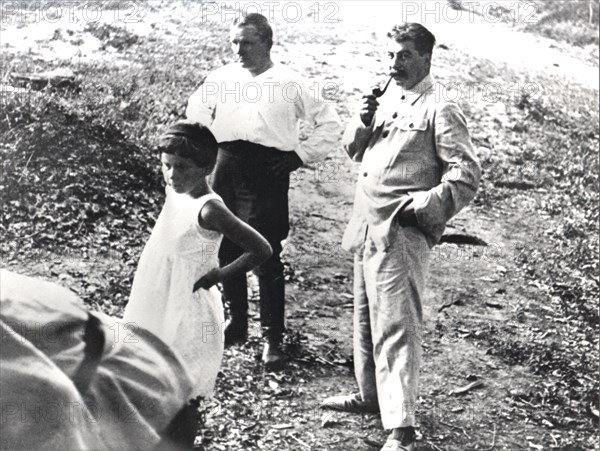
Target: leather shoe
(396, 445)
(273, 357)
(403, 440)
(350, 403)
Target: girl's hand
(209, 279)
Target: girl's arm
(216, 216)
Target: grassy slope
(571, 21)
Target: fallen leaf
(466, 388)
(280, 427)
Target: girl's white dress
(177, 254)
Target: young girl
(173, 293)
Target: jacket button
(410, 125)
(385, 133)
(394, 116)
(365, 174)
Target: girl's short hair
(190, 140)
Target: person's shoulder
(285, 71)
(212, 212)
(210, 205)
(445, 98)
(230, 67)
(225, 71)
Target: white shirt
(266, 110)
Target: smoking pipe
(378, 92)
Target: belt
(247, 149)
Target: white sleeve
(203, 103)
(326, 123)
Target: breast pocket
(415, 133)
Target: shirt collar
(412, 95)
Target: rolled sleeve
(326, 127)
(202, 103)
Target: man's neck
(418, 86)
(255, 71)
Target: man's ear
(427, 56)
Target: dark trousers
(243, 179)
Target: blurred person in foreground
(254, 107)
(417, 170)
(79, 380)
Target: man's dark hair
(190, 140)
(258, 21)
(417, 33)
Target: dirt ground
(477, 295)
(473, 291)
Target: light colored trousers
(388, 318)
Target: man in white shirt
(253, 107)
